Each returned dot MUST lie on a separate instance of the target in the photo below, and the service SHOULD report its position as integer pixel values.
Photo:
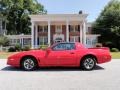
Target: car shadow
(10, 68)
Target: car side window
(64, 46)
(70, 46)
(60, 46)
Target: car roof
(66, 42)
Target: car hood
(31, 52)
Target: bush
(18, 47)
(26, 48)
(4, 41)
(43, 47)
(109, 44)
(12, 49)
(98, 45)
(114, 50)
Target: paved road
(104, 77)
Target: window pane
(88, 41)
(71, 39)
(40, 40)
(58, 29)
(76, 39)
(40, 29)
(18, 40)
(76, 28)
(70, 46)
(45, 28)
(45, 40)
(71, 28)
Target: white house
(52, 28)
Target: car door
(53, 55)
(50, 58)
(65, 53)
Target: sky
(90, 7)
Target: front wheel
(88, 63)
(29, 64)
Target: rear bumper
(104, 59)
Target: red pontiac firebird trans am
(61, 54)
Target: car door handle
(72, 53)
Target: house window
(14, 41)
(43, 40)
(74, 28)
(71, 28)
(43, 28)
(26, 41)
(74, 38)
(94, 41)
(88, 41)
(58, 29)
(40, 29)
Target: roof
(53, 17)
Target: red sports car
(61, 54)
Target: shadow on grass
(9, 68)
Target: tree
(17, 11)
(4, 41)
(108, 24)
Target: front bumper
(13, 62)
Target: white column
(84, 33)
(22, 41)
(32, 35)
(36, 35)
(67, 31)
(81, 31)
(49, 37)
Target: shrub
(43, 47)
(26, 48)
(12, 49)
(18, 47)
(114, 50)
(109, 44)
(4, 41)
(98, 45)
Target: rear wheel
(88, 63)
(29, 64)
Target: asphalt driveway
(104, 77)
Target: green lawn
(115, 55)
(3, 55)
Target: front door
(51, 58)
(65, 54)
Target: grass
(4, 55)
(115, 55)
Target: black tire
(28, 64)
(88, 63)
